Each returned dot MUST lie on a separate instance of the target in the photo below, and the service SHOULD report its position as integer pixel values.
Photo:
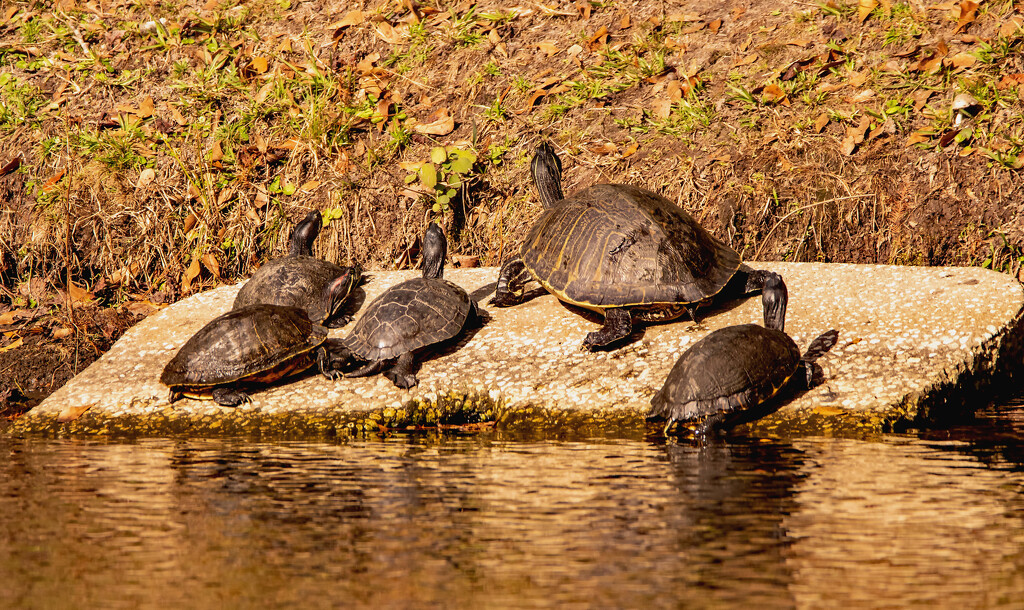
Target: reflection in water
(486, 522)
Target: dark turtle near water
(619, 250)
(410, 316)
(730, 375)
(302, 280)
(257, 344)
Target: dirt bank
(152, 150)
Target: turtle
(411, 315)
(619, 250)
(733, 373)
(302, 280)
(256, 344)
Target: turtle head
(774, 298)
(434, 252)
(546, 168)
(340, 289)
(305, 232)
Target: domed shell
(410, 315)
(615, 245)
(294, 281)
(259, 340)
(733, 368)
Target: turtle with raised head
(257, 344)
(411, 316)
(302, 280)
(619, 250)
(733, 373)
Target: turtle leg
(228, 397)
(511, 283)
(327, 362)
(370, 369)
(618, 324)
(175, 396)
(338, 321)
(401, 374)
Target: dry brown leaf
(211, 5)
(216, 153)
(11, 12)
(146, 108)
(604, 148)
(624, 22)
(7, 318)
(864, 8)
(71, 414)
(820, 122)
(714, 26)
(465, 261)
(350, 18)
(602, 32)
(52, 182)
(388, 33)
(10, 167)
(547, 48)
(14, 345)
(799, 42)
(861, 96)
(1011, 26)
(211, 264)
(947, 138)
(79, 294)
(920, 99)
(443, 125)
(968, 13)
(310, 186)
(847, 146)
(674, 91)
(630, 150)
(286, 45)
(62, 332)
(661, 108)
(945, 6)
(962, 60)
(1010, 80)
(178, 118)
(773, 94)
(259, 64)
(749, 59)
(190, 274)
(682, 17)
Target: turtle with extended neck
(619, 250)
(411, 316)
(733, 373)
(301, 280)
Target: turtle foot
(227, 397)
(405, 381)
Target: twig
(67, 238)
(801, 209)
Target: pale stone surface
(905, 334)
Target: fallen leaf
(52, 182)
(216, 154)
(821, 122)
(682, 17)
(948, 137)
(190, 274)
(259, 64)
(11, 167)
(847, 146)
(62, 332)
(602, 32)
(861, 96)
(79, 294)
(661, 108)
(773, 94)
(71, 414)
(749, 59)
(603, 148)
(715, 25)
(630, 150)
(178, 118)
(961, 60)
(465, 261)
(7, 318)
(146, 108)
(15, 345)
(1011, 26)
(968, 13)
(388, 33)
(443, 125)
(547, 48)
(350, 18)
(211, 264)
(864, 8)
(624, 22)
(146, 178)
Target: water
(480, 521)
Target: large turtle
(731, 374)
(301, 280)
(256, 344)
(619, 250)
(411, 315)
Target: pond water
(431, 520)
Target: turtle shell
(410, 315)
(294, 281)
(617, 245)
(730, 370)
(260, 343)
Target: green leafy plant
(447, 171)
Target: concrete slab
(916, 345)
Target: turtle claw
(403, 381)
